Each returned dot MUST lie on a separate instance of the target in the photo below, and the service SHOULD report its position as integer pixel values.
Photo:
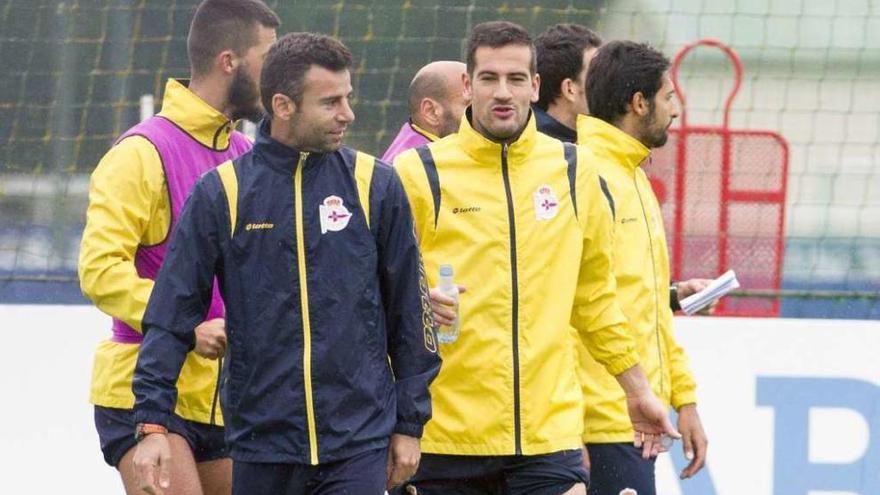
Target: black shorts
(614, 467)
(547, 474)
(116, 433)
(362, 474)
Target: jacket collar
(275, 153)
(423, 132)
(480, 147)
(608, 141)
(195, 116)
(554, 128)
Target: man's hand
(692, 286)
(648, 415)
(693, 439)
(443, 306)
(650, 421)
(211, 338)
(152, 463)
(403, 459)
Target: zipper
(654, 272)
(304, 302)
(517, 420)
(216, 392)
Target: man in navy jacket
(331, 346)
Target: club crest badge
(546, 203)
(334, 215)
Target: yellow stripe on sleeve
(230, 185)
(363, 174)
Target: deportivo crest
(334, 215)
(546, 203)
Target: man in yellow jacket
(136, 196)
(632, 100)
(521, 218)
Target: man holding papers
(707, 297)
(632, 100)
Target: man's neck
(491, 137)
(428, 128)
(630, 125)
(563, 115)
(279, 132)
(213, 92)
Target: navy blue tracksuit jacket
(331, 346)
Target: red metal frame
(728, 196)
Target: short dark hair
(620, 70)
(223, 25)
(560, 51)
(291, 56)
(496, 34)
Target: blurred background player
(564, 53)
(136, 196)
(633, 103)
(436, 105)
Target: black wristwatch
(673, 297)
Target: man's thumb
(670, 430)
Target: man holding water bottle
(521, 220)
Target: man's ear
(536, 87)
(569, 89)
(283, 106)
(431, 111)
(226, 61)
(639, 104)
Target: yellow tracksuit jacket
(641, 266)
(128, 208)
(536, 264)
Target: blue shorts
(116, 433)
(617, 466)
(362, 474)
(548, 474)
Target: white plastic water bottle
(447, 334)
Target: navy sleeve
(412, 343)
(179, 302)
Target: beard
(310, 136)
(244, 97)
(654, 134)
(450, 124)
(659, 138)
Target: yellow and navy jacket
(528, 232)
(135, 194)
(641, 266)
(331, 346)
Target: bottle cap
(445, 270)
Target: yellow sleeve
(128, 207)
(684, 387)
(412, 175)
(596, 315)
